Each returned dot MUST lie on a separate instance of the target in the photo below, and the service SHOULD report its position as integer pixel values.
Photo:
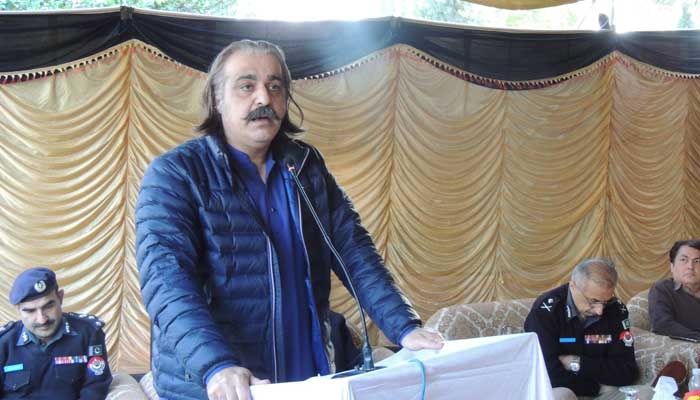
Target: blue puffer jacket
(209, 274)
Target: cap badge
(40, 286)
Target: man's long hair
(213, 95)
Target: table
(499, 367)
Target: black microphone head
(288, 163)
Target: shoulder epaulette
(7, 327)
(623, 307)
(93, 320)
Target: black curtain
(29, 41)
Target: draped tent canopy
(42, 41)
(521, 4)
(485, 163)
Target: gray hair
(212, 96)
(598, 270)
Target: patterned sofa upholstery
(466, 321)
(653, 352)
(125, 387)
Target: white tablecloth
(499, 367)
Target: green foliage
(443, 11)
(572, 16)
(210, 7)
(686, 20)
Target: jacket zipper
(273, 294)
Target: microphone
(367, 359)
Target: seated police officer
(51, 354)
(584, 333)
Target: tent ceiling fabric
(521, 4)
(44, 40)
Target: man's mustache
(45, 325)
(262, 112)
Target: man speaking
(234, 271)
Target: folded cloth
(665, 388)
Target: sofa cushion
(124, 387)
(638, 307)
(466, 321)
(654, 351)
(148, 388)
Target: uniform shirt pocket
(15, 381)
(70, 373)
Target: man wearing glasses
(584, 333)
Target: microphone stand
(367, 358)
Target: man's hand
(421, 338)
(565, 360)
(232, 383)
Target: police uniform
(604, 343)
(71, 365)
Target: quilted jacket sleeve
(168, 242)
(379, 294)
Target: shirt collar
(27, 337)
(571, 310)
(677, 285)
(242, 160)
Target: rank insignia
(597, 339)
(627, 338)
(97, 365)
(70, 360)
(95, 350)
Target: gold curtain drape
(521, 4)
(471, 193)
